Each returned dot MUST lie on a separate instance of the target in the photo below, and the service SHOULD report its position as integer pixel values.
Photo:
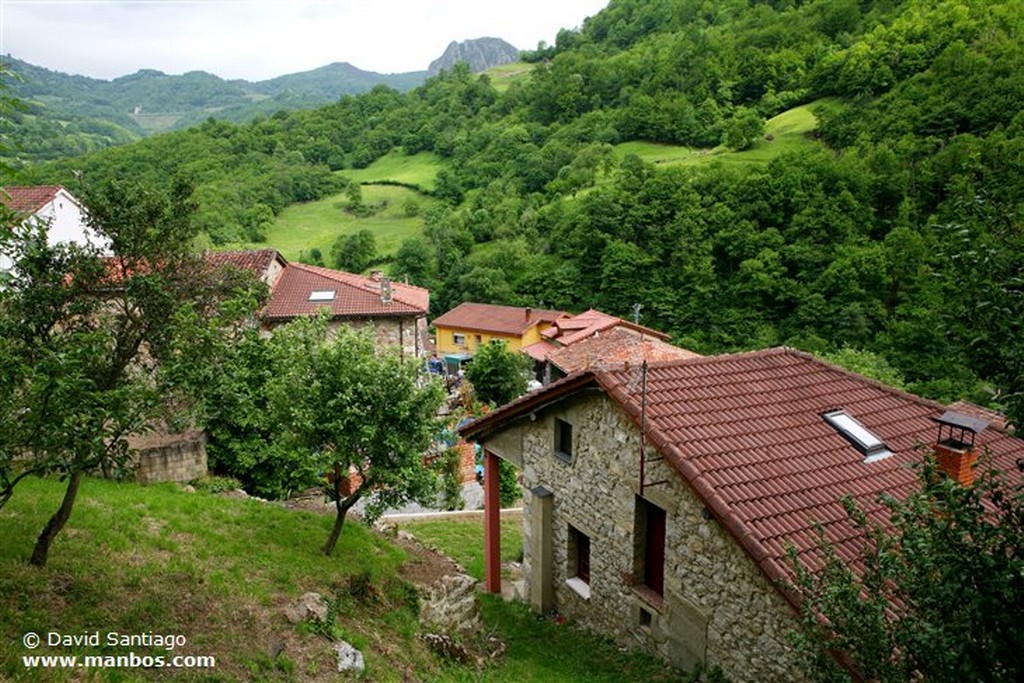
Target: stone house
(396, 312)
(660, 499)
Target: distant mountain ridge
(101, 113)
(480, 54)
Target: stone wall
(403, 332)
(717, 606)
(170, 457)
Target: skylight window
(873, 448)
(321, 295)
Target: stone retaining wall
(170, 457)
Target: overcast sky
(260, 39)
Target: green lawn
(301, 227)
(154, 559)
(503, 76)
(463, 540)
(788, 132)
(418, 170)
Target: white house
(64, 215)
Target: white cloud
(259, 39)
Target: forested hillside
(896, 230)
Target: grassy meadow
(301, 227)
(505, 75)
(417, 171)
(785, 133)
(154, 559)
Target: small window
(563, 440)
(579, 555)
(459, 339)
(322, 295)
(479, 339)
(863, 440)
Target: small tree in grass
(349, 409)
(96, 349)
(941, 593)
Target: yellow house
(464, 328)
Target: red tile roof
(612, 347)
(540, 350)
(570, 330)
(745, 432)
(254, 260)
(355, 296)
(28, 199)
(507, 320)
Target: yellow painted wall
(446, 340)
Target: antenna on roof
(636, 317)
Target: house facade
(395, 312)
(468, 326)
(660, 500)
(65, 218)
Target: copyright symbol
(30, 640)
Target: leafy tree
(940, 593)
(239, 427)
(349, 409)
(744, 129)
(92, 346)
(355, 252)
(498, 374)
(415, 260)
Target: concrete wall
(717, 606)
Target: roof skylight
(321, 295)
(873, 448)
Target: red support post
(492, 524)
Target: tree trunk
(57, 522)
(341, 505)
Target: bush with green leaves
(940, 592)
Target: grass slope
(417, 171)
(301, 227)
(155, 559)
(505, 75)
(787, 132)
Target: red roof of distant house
(254, 260)
(353, 295)
(507, 320)
(28, 199)
(612, 347)
(539, 351)
(746, 432)
(570, 330)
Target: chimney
(954, 448)
(529, 312)
(385, 290)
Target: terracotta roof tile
(508, 320)
(255, 260)
(354, 295)
(745, 432)
(28, 199)
(614, 346)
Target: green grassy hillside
(155, 559)
(787, 132)
(418, 170)
(317, 224)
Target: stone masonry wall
(391, 331)
(170, 457)
(717, 605)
